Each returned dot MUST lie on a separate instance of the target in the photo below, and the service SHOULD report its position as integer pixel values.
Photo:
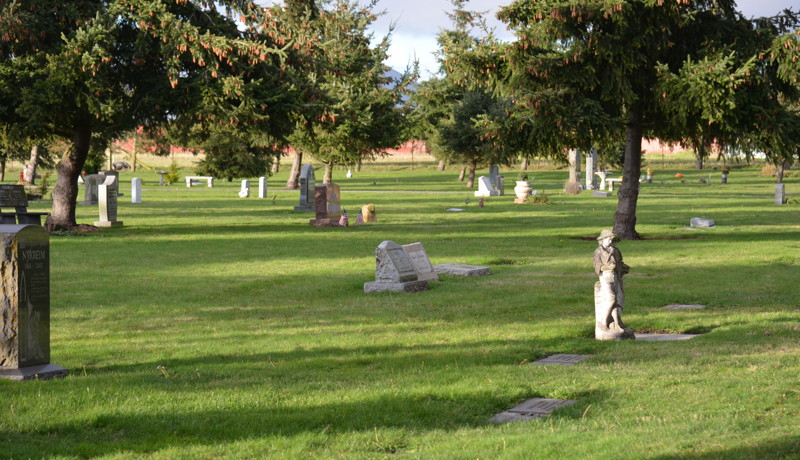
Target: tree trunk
(276, 165)
(65, 192)
(133, 153)
(358, 165)
(699, 162)
(524, 165)
(462, 173)
(293, 181)
(625, 217)
(471, 180)
(326, 178)
(779, 172)
(29, 170)
(2, 170)
(442, 165)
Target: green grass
(210, 326)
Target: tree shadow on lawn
(783, 447)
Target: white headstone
(262, 187)
(107, 199)
(701, 222)
(485, 187)
(780, 197)
(419, 259)
(245, 191)
(136, 190)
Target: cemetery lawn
(210, 326)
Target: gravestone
(679, 306)
(531, 409)
(500, 186)
(494, 173)
(601, 193)
(307, 189)
(485, 187)
(394, 271)
(90, 184)
(664, 337)
(25, 304)
(422, 264)
(116, 182)
(334, 200)
(591, 168)
(573, 185)
(323, 219)
(701, 222)
(262, 187)
(561, 359)
(462, 270)
(780, 197)
(244, 191)
(136, 190)
(107, 198)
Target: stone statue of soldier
(609, 295)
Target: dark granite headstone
(307, 189)
(25, 304)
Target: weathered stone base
(601, 194)
(111, 223)
(327, 222)
(664, 337)
(462, 270)
(601, 333)
(408, 286)
(520, 200)
(42, 372)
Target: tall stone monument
(262, 187)
(609, 294)
(107, 197)
(573, 185)
(244, 191)
(307, 184)
(136, 190)
(90, 184)
(25, 304)
(591, 168)
(394, 271)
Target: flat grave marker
(562, 359)
(531, 409)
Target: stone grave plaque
(419, 259)
(462, 270)
(701, 222)
(307, 189)
(531, 409)
(677, 306)
(25, 304)
(394, 271)
(664, 337)
(562, 359)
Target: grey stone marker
(664, 337)
(591, 168)
(462, 270)
(394, 271)
(90, 184)
(601, 194)
(307, 184)
(136, 190)
(573, 185)
(494, 173)
(110, 173)
(108, 203)
(25, 304)
(244, 192)
(485, 187)
(531, 409)
(262, 187)
(501, 186)
(678, 306)
(780, 196)
(701, 222)
(562, 359)
(422, 264)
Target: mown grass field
(210, 326)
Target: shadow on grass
(784, 447)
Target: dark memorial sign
(25, 304)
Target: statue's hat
(606, 233)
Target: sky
(416, 23)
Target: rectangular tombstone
(25, 304)
(262, 187)
(307, 189)
(494, 173)
(323, 219)
(394, 271)
(136, 190)
(780, 197)
(334, 199)
(422, 264)
(485, 187)
(108, 203)
(500, 186)
(591, 168)
(115, 184)
(90, 184)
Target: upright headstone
(500, 187)
(422, 264)
(262, 187)
(334, 200)
(244, 191)
(780, 197)
(25, 304)
(591, 168)
(107, 197)
(573, 185)
(307, 189)
(323, 219)
(136, 190)
(90, 184)
(494, 173)
(485, 187)
(110, 173)
(394, 271)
